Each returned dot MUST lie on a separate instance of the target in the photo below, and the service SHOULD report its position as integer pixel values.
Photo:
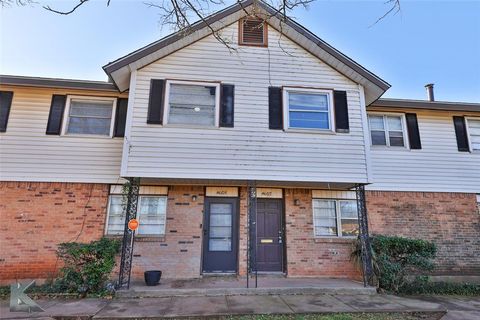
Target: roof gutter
(424, 104)
(57, 83)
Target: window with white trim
(309, 109)
(478, 203)
(337, 218)
(192, 103)
(474, 133)
(151, 215)
(89, 116)
(387, 130)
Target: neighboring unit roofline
(57, 83)
(424, 104)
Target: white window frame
(286, 109)
(108, 214)
(406, 144)
(166, 108)
(138, 215)
(338, 217)
(66, 115)
(469, 137)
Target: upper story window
(253, 32)
(309, 109)
(151, 215)
(89, 116)
(473, 125)
(338, 218)
(387, 130)
(192, 103)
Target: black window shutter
(461, 133)
(413, 132)
(55, 117)
(341, 111)
(275, 108)
(120, 117)
(5, 104)
(226, 105)
(155, 102)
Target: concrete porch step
(212, 292)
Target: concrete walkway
(157, 308)
(228, 286)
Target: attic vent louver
(253, 32)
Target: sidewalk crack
(289, 307)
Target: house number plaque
(222, 192)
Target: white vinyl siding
(249, 150)
(437, 167)
(473, 127)
(28, 154)
(151, 215)
(335, 218)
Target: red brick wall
(242, 265)
(178, 254)
(38, 216)
(451, 220)
(310, 256)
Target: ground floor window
(332, 217)
(151, 214)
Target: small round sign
(133, 224)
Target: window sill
(376, 147)
(310, 131)
(146, 238)
(86, 136)
(349, 240)
(187, 126)
(139, 238)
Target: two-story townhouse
(252, 157)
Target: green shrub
(87, 266)
(396, 258)
(422, 285)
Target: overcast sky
(429, 41)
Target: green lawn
(345, 316)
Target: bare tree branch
(66, 12)
(180, 14)
(20, 3)
(395, 8)
(81, 2)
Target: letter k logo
(19, 301)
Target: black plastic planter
(152, 277)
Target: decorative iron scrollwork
(130, 192)
(252, 232)
(367, 267)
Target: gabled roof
(57, 83)
(424, 104)
(119, 70)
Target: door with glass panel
(220, 235)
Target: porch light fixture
(296, 202)
(194, 198)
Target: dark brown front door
(269, 235)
